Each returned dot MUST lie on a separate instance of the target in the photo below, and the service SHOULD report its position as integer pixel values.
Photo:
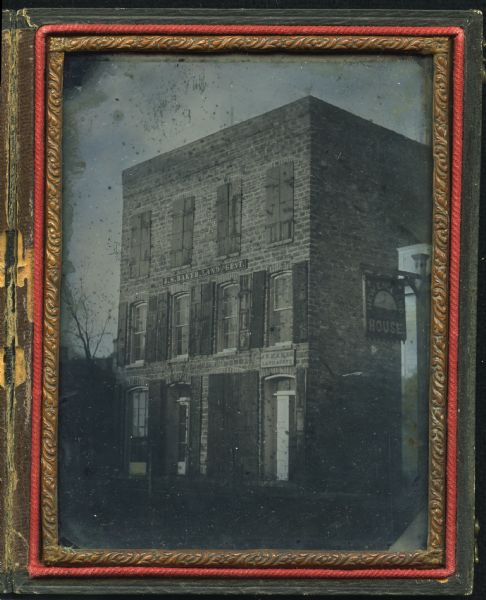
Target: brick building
(249, 260)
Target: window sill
(179, 358)
(281, 242)
(281, 345)
(226, 352)
(135, 365)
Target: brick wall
(369, 196)
(243, 151)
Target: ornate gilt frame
(440, 48)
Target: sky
(122, 109)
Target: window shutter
(257, 324)
(156, 423)
(129, 342)
(151, 335)
(234, 216)
(244, 316)
(162, 327)
(134, 260)
(219, 324)
(206, 318)
(171, 429)
(145, 226)
(297, 454)
(273, 317)
(177, 232)
(188, 229)
(286, 216)
(244, 412)
(300, 301)
(219, 450)
(222, 219)
(121, 343)
(195, 425)
(194, 320)
(272, 189)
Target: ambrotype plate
(219, 246)
(246, 302)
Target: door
(278, 426)
(138, 432)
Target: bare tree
(84, 321)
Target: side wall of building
(369, 190)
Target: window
(140, 244)
(278, 426)
(138, 329)
(228, 317)
(280, 318)
(183, 437)
(282, 292)
(180, 320)
(280, 202)
(182, 231)
(228, 209)
(139, 410)
(137, 432)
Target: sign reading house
(385, 307)
(236, 265)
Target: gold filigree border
(433, 555)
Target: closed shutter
(206, 319)
(188, 229)
(219, 325)
(245, 425)
(162, 327)
(219, 448)
(177, 232)
(257, 324)
(134, 259)
(297, 441)
(195, 425)
(222, 219)
(272, 200)
(300, 301)
(121, 343)
(171, 428)
(156, 426)
(286, 216)
(145, 227)
(194, 321)
(233, 426)
(151, 335)
(234, 216)
(119, 424)
(274, 317)
(244, 316)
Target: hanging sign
(385, 307)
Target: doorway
(278, 426)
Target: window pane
(229, 322)
(283, 295)
(139, 320)
(181, 325)
(139, 409)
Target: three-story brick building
(243, 349)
